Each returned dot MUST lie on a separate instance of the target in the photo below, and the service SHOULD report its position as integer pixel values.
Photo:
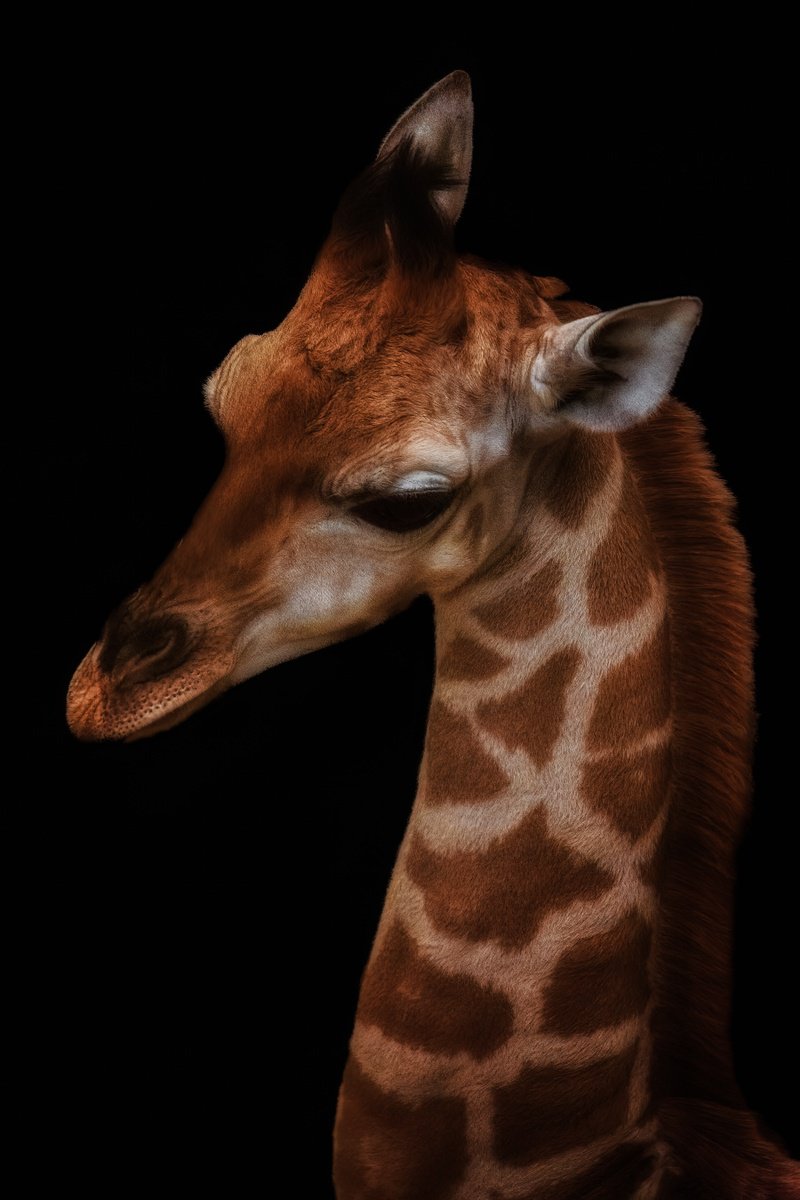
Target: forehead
(352, 364)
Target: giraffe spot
(524, 609)
(629, 788)
(413, 1001)
(530, 718)
(548, 1110)
(614, 1176)
(504, 894)
(465, 658)
(388, 1149)
(583, 470)
(600, 980)
(634, 697)
(458, 770)
(619, 579)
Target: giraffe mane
(712, 623)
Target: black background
(210, 894)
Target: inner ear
(439, 129)
(611, 370)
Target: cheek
(331, 592)
(338, 576)
(329, 581)
(317, 607)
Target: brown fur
(406, 1151)
(615, 1176)
(591, 457)
(531, 717)
(633, 697)
(467, 659)
(536, 598)
(469, 777)
(629, 788)
(547, 1110)
(599, 980)
(619, 579)
(503, 895)
(419, 1005)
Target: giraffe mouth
(101, 707)
(176, 715)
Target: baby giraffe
(544, 1013)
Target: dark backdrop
(210, 894)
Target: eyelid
(413, 483)
(369, 495)
(422, 481)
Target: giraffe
(543, 1015)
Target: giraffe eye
(404, 511)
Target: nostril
(155, 642)
(159, 648)
(144, 648)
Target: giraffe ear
(610, 371)
(439, 127)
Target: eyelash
(404, 511)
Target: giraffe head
(378, 441)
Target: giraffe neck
(506, 1004)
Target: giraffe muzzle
(148, 672)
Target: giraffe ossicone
(543, 1012)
